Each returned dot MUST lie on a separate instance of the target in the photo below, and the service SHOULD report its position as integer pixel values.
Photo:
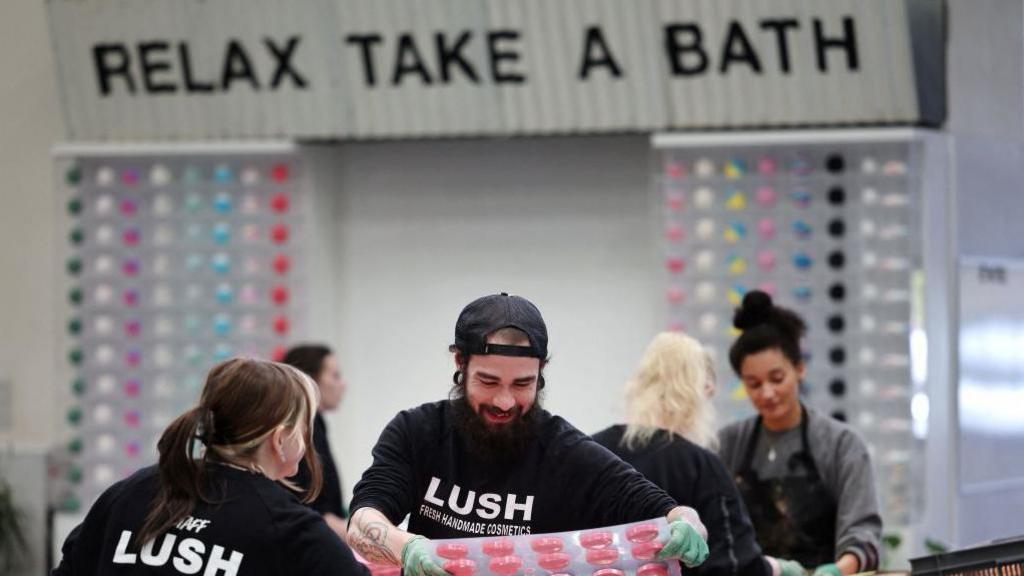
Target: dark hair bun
(756, 309)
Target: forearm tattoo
(371, 540)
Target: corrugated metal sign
(216, 69)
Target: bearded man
(491, 461)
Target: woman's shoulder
(832, 431)
(735, 432)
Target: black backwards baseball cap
(484, 316)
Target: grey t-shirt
(842, 459)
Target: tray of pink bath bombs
(623, 550)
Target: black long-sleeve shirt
(329, 500)
(564, 481)
(255, 528)
(695, 477)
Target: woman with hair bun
(218, 501)
(668, 437)
(806, 478)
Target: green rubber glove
(686, 544)
(827, 570)
(792, 568)
(417, 559)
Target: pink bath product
(279, 233)
(460, 567)
(674, 201)
(646, 550)
(280, 203)
(675, 264)
(652, 570)
(132, 388)
(132, 328)
(675, 295)
(499, 547)
(767, 166)
(766, 260)
(130, 298)
(547, 544)
(554, 561)
(766, 196)
(452, 550)
(131, 237)
(766, 229)
(505, 565)
(642, 533)
(130, 177)
(597, 540)
(675, 171)
(602, 556)
(282, 325)
(130, 267)
(674, 233)
(129, 207)
(131, 419)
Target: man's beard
(495, 445)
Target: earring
(458, 378)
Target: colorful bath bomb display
(766, 197)
(735, 169)
(704, 198)
(736, 265)
(704, 168)
(766, 260)
(280, 203)
(737, 201)
(159, 175)
(222, 202)
(222, 174)
(674, 200)
(280, 173)
(249, 176)
(735, 232)
(767, 166)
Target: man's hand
(685, 543)
(417, 559)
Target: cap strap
(506, 350)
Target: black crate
(1000, 558)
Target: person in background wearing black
(230, 511)
(668, 432)
(806, 478)
(490, 461)
(320, 364)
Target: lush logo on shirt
(189, 557)
(466, 511)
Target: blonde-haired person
(230, 510)
(668, 437)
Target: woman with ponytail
(219, 501)
(805, 478)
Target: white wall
(422, 228)
(29, 124)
